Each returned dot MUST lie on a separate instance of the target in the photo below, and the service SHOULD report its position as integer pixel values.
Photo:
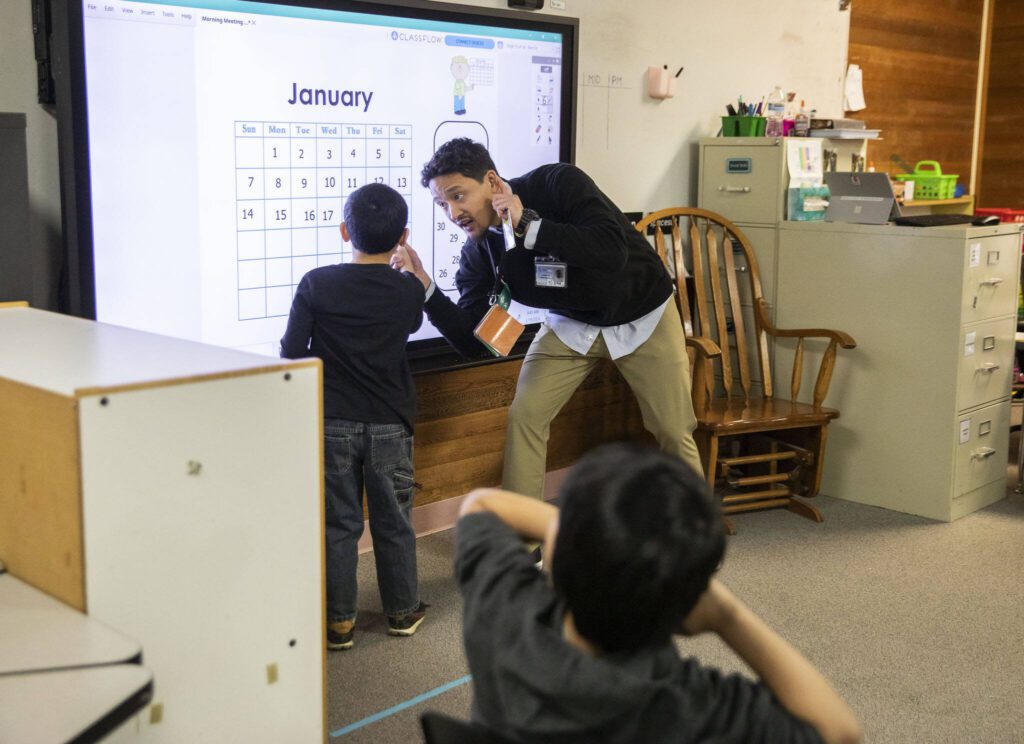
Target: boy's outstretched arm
(532, 519)
(793, 679)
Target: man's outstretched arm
(455, 321)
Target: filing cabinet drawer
(990, 277)
(986, 362)
(983, 439)
(752, 196)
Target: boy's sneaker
(406, 625)
(340, 635)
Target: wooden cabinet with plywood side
(173, 491)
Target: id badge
(550, 272)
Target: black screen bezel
(78, 289)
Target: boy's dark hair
(375, 216)
(461, 155)
(639, 537)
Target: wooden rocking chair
(758, 451)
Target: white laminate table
(70, 705)
(39, 633)
(64, 677)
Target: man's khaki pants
(658, 372)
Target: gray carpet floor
(918, 624)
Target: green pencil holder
(743, 126)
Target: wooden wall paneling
(920, 63)
(461, 418)
(40, 491)
(1002, 162)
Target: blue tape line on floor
(401, 706)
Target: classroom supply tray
(929, 181)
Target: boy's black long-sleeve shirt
(614, 276)
(357, 319)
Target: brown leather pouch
(498, 331)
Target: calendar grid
(292, 180)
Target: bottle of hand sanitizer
(801, 122)
(775, 111)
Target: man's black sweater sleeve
(474, 281)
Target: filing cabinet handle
(982, 453)
(993, 282)
(735, 189)
(989, 367)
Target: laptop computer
(862, 198)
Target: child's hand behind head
(713, 610)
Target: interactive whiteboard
(223, 138)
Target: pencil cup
(743, 126)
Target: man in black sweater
(616, 301)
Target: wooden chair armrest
(828, 360)
(704, 346)
(704, 350)
(845, 340)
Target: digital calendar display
(225, 136)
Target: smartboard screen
(221, 139)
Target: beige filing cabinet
(745, 180)
(924, 399)
(172, 491)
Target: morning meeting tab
(468, 42)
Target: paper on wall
(853, 90)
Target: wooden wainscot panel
(920, 66)
(40, 492)
(461, 418)
(1003, 155)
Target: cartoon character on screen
(460, 71)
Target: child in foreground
(586, 655)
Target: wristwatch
(528, 216)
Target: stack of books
(842, 129)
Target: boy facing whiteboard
(357, 317)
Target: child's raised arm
(532, 519)
(793, 679)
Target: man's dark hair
(375, 216)
(461, 155)
(639, 538)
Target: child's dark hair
(375, 216)
(639, 538)
(461, 155)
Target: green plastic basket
(929, 182)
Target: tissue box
(807, 203)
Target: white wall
(641, 152)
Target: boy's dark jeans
(379, 457)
